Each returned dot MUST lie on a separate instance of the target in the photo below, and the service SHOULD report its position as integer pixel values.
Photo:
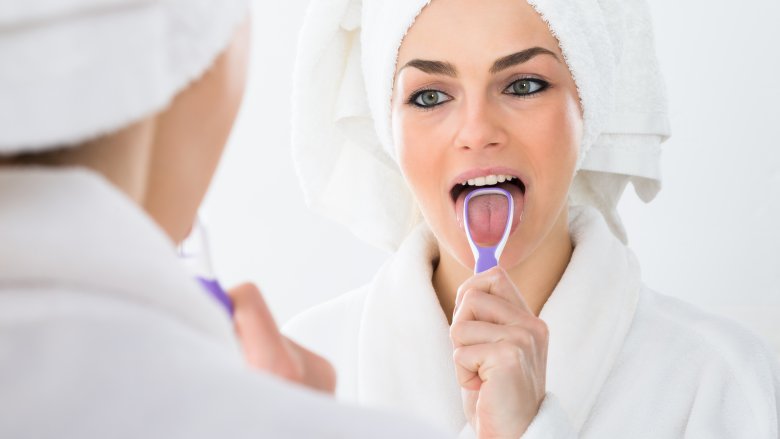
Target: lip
(484, 172)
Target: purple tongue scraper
(487, 257)
(194, 252)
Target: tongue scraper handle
(216, 291)
(487, 257)
(194, 252)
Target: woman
(113, 117)
(562, 339)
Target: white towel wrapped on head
(73, 70)
(342, 142)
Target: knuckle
(494, 275)
(462, 288)
(497, 274)
(459, 294)
(469, 296)
(522, 338)
(466, 357)
(528, 340)
(542, 329)
(458, 355)
(465, 287)
(508, 353)
(456, 330)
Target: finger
(467, 360)
(259, 335)
(471, 332)
(497, 282)
(475, 364)
(486, 307)
(318, 373)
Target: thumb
(317, 372)
(260, 338)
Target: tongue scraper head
(487, 257)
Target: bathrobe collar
(404, 350)
(70, 228)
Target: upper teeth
(488, 180)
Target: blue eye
(526, 87)
(429, 98)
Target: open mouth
(493, 180)
(488, 214)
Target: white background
(711, 237)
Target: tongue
(488, 215)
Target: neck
(535, 277)
(122, 158)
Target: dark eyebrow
(514, 59)
(432, 67)
(445, 68)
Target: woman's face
(482, 90)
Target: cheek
(553, 142)
(418, 153)
(550, 141)
(567, 149)
(422, 148)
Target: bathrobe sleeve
(551, 422)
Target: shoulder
(326, 328)
(408, 268)
(724, 368)
(118, 362)
(346, 307)
(705, 332)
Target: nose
(480, 127)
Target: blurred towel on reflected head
(69, 72)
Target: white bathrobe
(104, 335)
(623, 362)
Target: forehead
(475, 31)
